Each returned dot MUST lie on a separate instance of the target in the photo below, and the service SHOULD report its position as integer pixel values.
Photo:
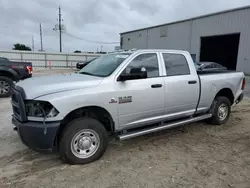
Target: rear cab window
(175, 64)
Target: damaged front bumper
(36, 135)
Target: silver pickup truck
(123, 94)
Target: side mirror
(135, 73)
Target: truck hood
(45, 85)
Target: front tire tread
(73, 128)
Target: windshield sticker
(122, 56)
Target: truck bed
(211, 82)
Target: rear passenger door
(182, 88)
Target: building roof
(189, 19)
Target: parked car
(80, 65)
(123, 94)
(12, 71)
(208, 66)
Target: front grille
(17, 100)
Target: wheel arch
(226, 92)
(96, 112)
(10, 73)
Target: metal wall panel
(42, 59)
(10, 55)
(135, 40)
(186, 35)
(227, 23)
(177, 37)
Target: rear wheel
(221, 110)
(83, 141)
(5, 86)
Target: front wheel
(221, 110)
(83, 141)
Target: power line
(61, 28)
(90, 41)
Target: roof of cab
(150, 50)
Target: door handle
(156, 85)
(192, 82)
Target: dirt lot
(196, 155)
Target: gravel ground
(196, 155)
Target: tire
(92, 134)
(218, 117)
(3, 84)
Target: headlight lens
(40, 109)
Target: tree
(77, 51)
(101, 52)
(21, 47)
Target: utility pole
(41, 37)
(33, 44)
(101, 48)
(60, 28)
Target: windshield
(104, 65)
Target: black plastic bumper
(27, 76)
(36, 135)
(240, 98)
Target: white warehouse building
(222, 37)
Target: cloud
(147, 8)
(96, 20)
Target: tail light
(30, 69)
(243, 84)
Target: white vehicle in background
(210, 66)
(123, 94)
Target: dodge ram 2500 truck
(124, 94)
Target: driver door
(141, 100)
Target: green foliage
(77, 51)
(21, 47)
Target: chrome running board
(162, 127)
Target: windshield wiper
(87, 73)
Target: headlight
(40, 109)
